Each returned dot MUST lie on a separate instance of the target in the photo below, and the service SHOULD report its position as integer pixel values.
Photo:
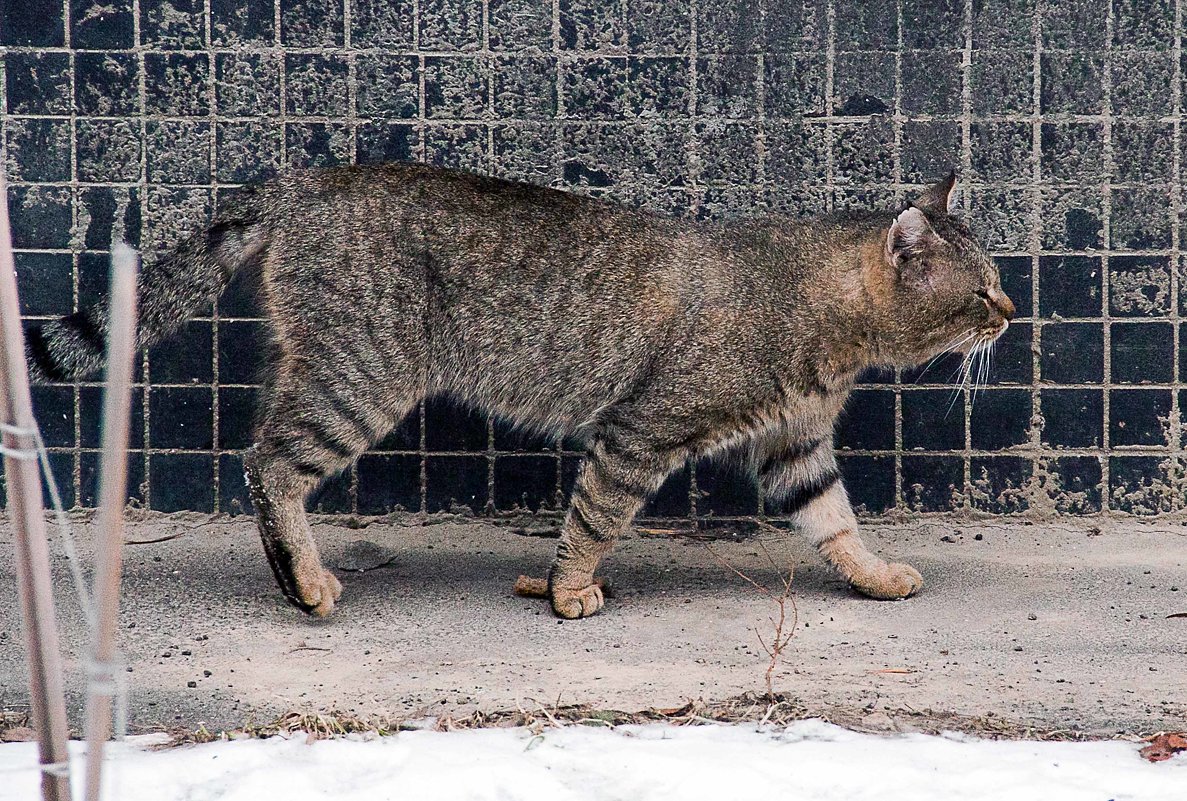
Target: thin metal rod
(117, 401)
(32, 552)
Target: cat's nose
(1002, 303)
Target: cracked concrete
(1059, 626)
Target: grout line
(1107, 236)
(830, 66)
(1175, 423)
(899, 198)
(1036, 231)
(214, 323)
(966, 168)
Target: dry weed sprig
(782, 599)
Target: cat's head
(938, 288)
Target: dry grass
(777, 641)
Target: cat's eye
(982, 294)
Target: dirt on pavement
(1075, 625)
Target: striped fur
(654, 340)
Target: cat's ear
(940, 197)
(909, 233)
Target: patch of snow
(808, 761)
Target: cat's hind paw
(317, 592)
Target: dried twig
(779, 641)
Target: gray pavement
(1059, 626)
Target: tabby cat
(655, 340)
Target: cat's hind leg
(616, 479)
(307, 433)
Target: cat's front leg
(803, 477)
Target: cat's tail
(172, 289)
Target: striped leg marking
(806, 480)
(612, 488)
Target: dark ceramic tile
(868, 421)
(107, 212)
(405, 436)
(1000, 419)
(795, 85)
(931, 421)
(233, 497)
(1073, 82)
(90, 475)
(241, 352)
(1016, 278)
(53, 408)
(1002, 81)
(1140, 286)
(929, 482)
(519, 24)
(728, 27)
(1142, 353)
(999, 483)
(1072, 418)
(1072, 353)
(40, 216)
(1138, 485)
(173, 24)
(1012, 361)
(1070, 286)
(453, 482)
(1139, 416)
(33, 23)
(865, 26)
(46, 283)
(387, 483)
(182, 481)
(525, 482)
(101, 27)
(311, 23)
(236, 417)
(181, 417)
(38, 150)
(1074, 483)
(185, 357)
(178, 152)
(37, 83)
(177, 84)
(870, 482)
(90, 416)
(449, 427)
(247, 83)
(242, 22)
(387, 25)
(725, 490)
(931, 82)
(332, 496)
(382, 142)
(672, 499)
(316, 85)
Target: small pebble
(191, 683)
(1032, 616)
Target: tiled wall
(137, 116)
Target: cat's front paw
(317, 591)
(891, 582)
(573, 604)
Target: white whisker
(953, 344)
